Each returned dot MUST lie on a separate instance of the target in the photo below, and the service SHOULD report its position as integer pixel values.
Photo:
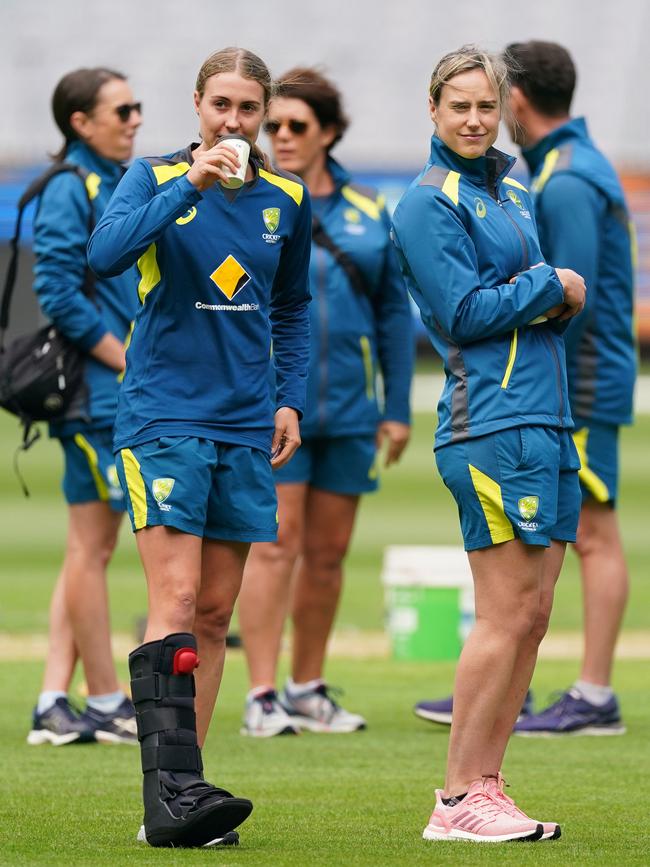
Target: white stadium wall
(380, 52)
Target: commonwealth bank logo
(528, 507)
(271, 217)
(230, 276)
(161, 489)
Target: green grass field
(360, 799)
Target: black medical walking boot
(180, 807)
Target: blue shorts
(206, 488)
(597, 446)
(90, 473)
(516, 483)
(342, 465)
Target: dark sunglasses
(297, 127)
(124, 111)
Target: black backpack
(41, 373)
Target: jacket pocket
(368, 367)
(512, 355)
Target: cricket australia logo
(516, 200)
(528, 507)
(271, 217)
(161, 489)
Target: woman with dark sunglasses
(95, 112)
(360, 325)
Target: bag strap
(353, 272)
(33, 190)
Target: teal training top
(223, 277)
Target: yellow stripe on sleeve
(93, 463)
(489, 495)
(149, 272)
(593, 483)
(166, 173)
(291, 188)
(513, 183)
(93, 182)
(135, 485)
(450, 186)
(369, 207)
(547, 170)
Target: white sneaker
(316, 711)
(264, 717)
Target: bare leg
(329, 521)
(524, 667)
(507, 582)
(172, 566)
(605, 589)
(62, 652)
(264, 597)
(221, 578)
(92, 534)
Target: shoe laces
(327, 691)
(484, 803)
(559, 700)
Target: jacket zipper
(524, 267)
(558, 373)
(323, 343)
(366, 354)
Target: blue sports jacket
(584, 224)
(60, 240)
(356, 333)
(463, 230)
(222, 274)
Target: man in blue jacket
(584, 225)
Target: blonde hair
(471, 57)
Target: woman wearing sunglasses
(360, 325)
(95, 112)
(223, 277)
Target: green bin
(429, 601)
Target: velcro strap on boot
(171, 758)
(158, 686)
(160, 719)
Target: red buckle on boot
(185, 660)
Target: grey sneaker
(317, 711)
(117, 727)
(264, 717)
(60, 725)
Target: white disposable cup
(243, 148)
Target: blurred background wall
(381, 53)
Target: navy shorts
(206, 488)
(516, 483)
(597, 446)
(342, 465)
(90, 474)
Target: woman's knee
(211, 622)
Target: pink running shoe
(495, 785)
(480, 817)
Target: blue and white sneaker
(117, 727)
(571, 714)
(440, 711)
(60, 725)
(264, 717)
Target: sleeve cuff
(91, 338)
